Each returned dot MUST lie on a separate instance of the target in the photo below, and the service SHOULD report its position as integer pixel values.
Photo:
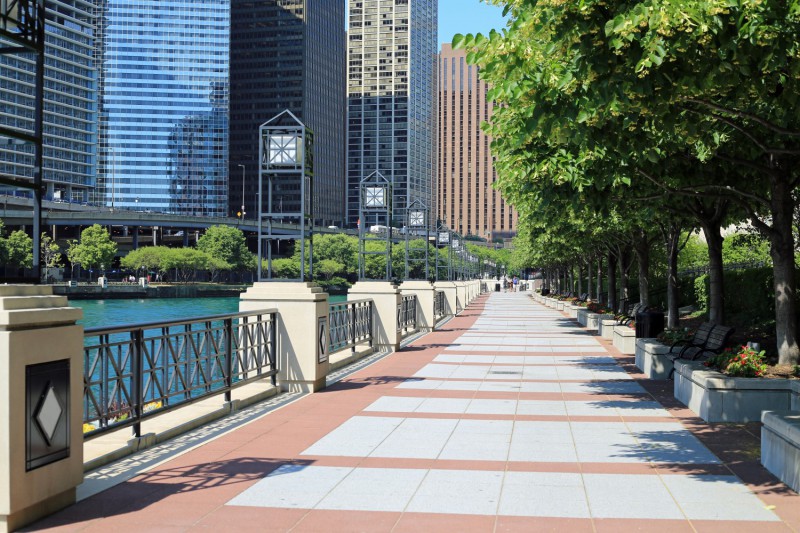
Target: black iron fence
(132, 372)
(407, 314)
(350, 324)
(439, 305)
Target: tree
(95, 248)
(150, 258)
(20, 249)
(51, 255)
(185, 261)
(228, 244)
(3, 246)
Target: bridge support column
(135, 242)
(185, 237)
(41, 400)
(450, 295)
(425, 302)
(302, 329)
(386, 297)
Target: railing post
(351, 308)
(273, 345)
(41, 448)
(138, 381)
(229, 355)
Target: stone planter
(606, 329)
(581, 316)
(572, 310)
(715, 397)
(651, 358)
(625, 339)
(559, 305)
(593, 320)
(780, 445)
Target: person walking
(516, 284)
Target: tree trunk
(580, 278)
(624, 277)
(589, 288)
(612, 281)
(599, 279)
(716, 294)
(782, 252)
(673, 238)
(641, 247)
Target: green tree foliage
(50, 256)
(3, 246)
(20, 249)
(229, 245)
(95, 248)
(148, 258)
(185, 262)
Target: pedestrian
(505, 283)
(516, 284)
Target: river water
(123, 312)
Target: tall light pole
(242, 191)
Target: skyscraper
(288, 55)
(392, 100)
(164, 104)
(70, 100)
(467, 202)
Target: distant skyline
(467, 16)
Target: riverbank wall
(96, 292)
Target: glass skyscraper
(164, 103)
(70, 103)
(289, 55)
(392, 57)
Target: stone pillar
(135, 242)
(185, 237)
(386, 298)
(41, 400)
(461, 287)
(450, 295)
(425, 302)
(302, 330)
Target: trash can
(497, 287)
(649, 323)
(545, 291)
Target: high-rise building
(288, 55)
(467, 201)
(391, 94)
(70, 103)
(163, 106)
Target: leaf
(458, 41)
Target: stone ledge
(651, 358)
(780, 445)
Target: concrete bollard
(41, 400)
(386, 297)
(425, 294)
(302, 330)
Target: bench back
(718, 337)
(701, 335)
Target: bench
(625, 318)
(580, 299)
(709, 339)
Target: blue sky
(467, 16)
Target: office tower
(288, 55)
(392, 100)
(163, 105)
(70, 100)
(467, 202)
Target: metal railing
(349, 324)
(439, 305)
(407, 313)
(134, 371)
(484, 287)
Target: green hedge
(748, 291)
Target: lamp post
(242, 192)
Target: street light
(242, 191)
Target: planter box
(593, 320)
(574, 311)
(780, 445)
(651, 358)
(625, 339)
(606, 329)
(715, 397)
(559, 305)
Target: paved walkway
(512, 418)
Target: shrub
(741, 362)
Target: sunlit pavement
(511, 418)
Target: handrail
(350, 324)
(135, 371)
